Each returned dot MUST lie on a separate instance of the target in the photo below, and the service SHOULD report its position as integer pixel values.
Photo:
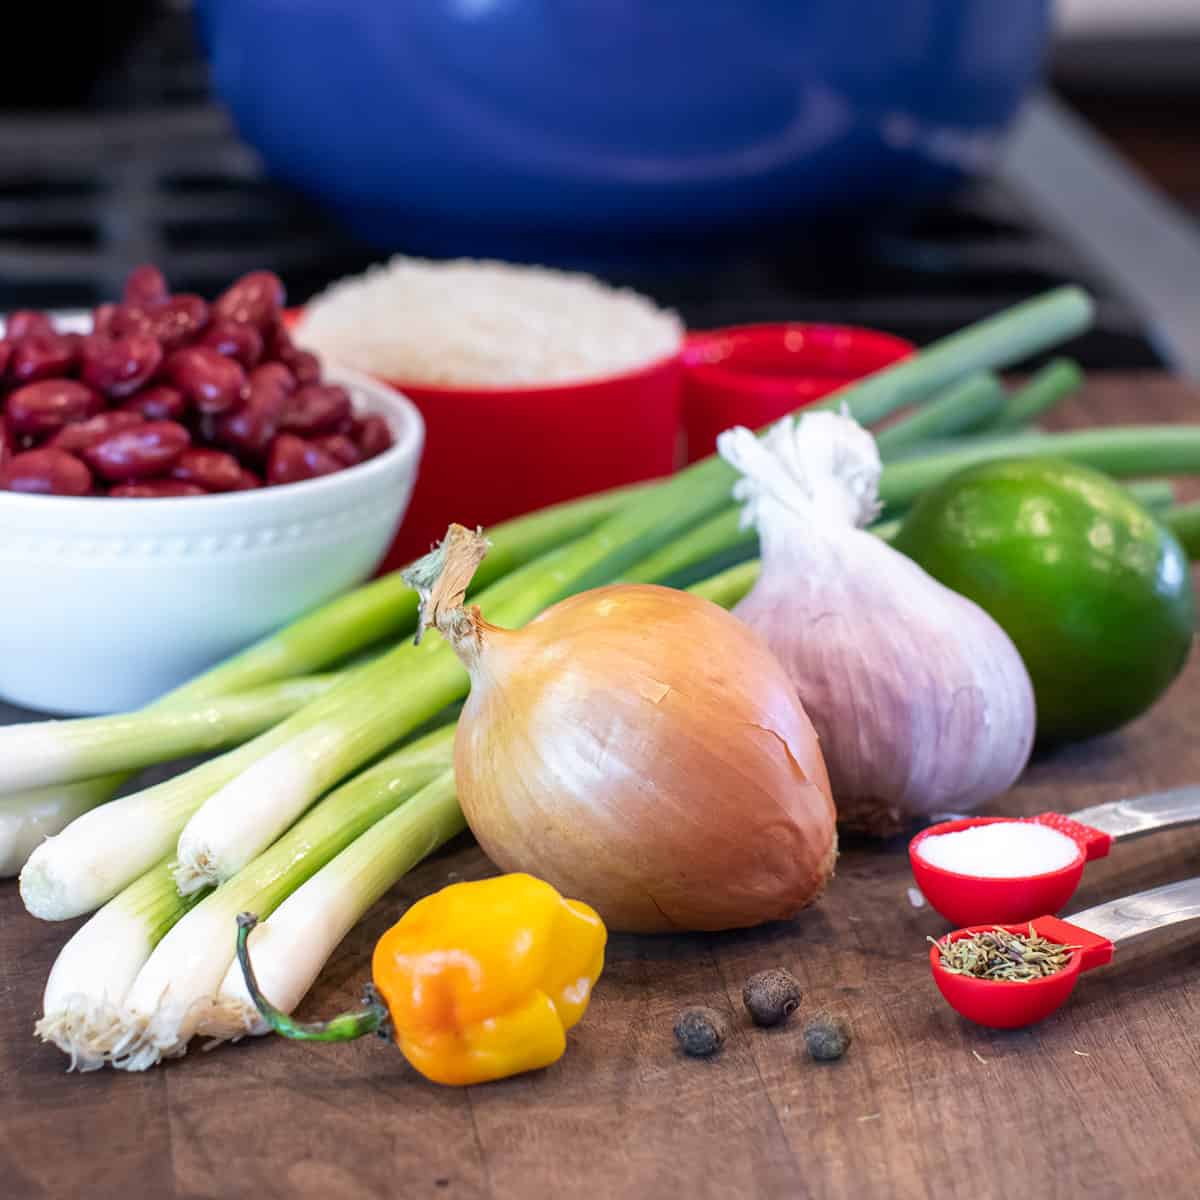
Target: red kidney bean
(316, 408)
(146, 287)
(250, 429)
(292, 459)
(25, 321)
(145, 450)
(341, 447)
(305, 366)
(249, 481)
(5, 440)
(241, 342)
(46, 472)
(160, 403)
(155, 489)
(119, 366)
(177, 322)
(45, 407)
(213, 470)
(5, 354)
(277, 342)
(77, 437)
(211, 381)
(373, 435)
(255, 299)
(40, 356)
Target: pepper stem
(371, 1018)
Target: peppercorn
(700, 1031)
(827, 1037)
(771, 996)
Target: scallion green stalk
(49, 752)
(960, 408)
(1184, 523)
(1044, 389)
(1129, 450)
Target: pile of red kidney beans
(172, 396)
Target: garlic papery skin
(921, 700)
(639, 748)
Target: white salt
(1001, 850)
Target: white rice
(489, 324)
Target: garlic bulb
(640, 749)
(921, 700)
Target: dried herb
(1000, 955)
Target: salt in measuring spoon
(973, 899)
(1097, 932)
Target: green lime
(1094, 592)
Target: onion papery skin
(643, 751)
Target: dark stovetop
(153, 171)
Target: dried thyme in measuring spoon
(1000, 955)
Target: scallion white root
(83, 1004)
(294, 943)
(178, 985)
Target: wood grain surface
(1101, 1100)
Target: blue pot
(563, 129)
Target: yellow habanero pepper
(478, 981)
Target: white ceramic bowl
(106, 604)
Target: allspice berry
(700, 1031)
(827, 1037)
(771, 996)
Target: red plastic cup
(494, 453)
(754, 374)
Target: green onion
(82, 1004)
(1184, 523)
(47, 752)
(1057, 379)
(729, 586)
(963, 406)
(1124, 451)
(179, 968)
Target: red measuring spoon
(1097, 932)
(973, 899)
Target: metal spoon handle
(1144, 814)
(1132, 916)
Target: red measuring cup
(972, 899)
(1096, 933)
(754, 374)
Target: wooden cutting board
(1101, 1100)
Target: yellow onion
(641, 749)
